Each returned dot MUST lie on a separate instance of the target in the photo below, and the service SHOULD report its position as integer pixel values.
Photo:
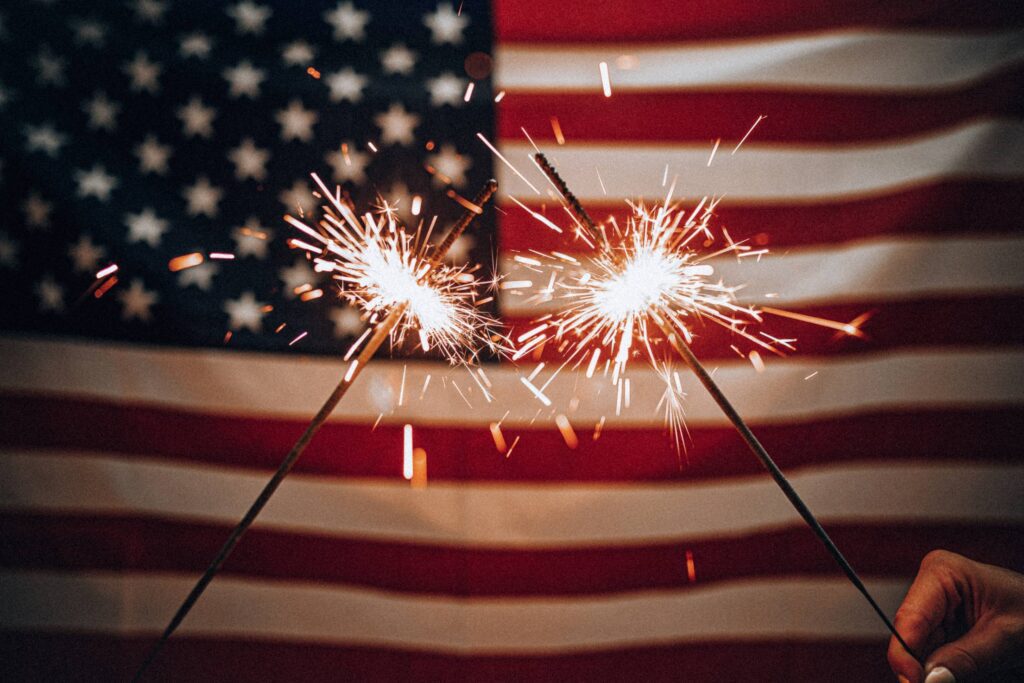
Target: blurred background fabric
(882, 163)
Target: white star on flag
(102, 112)
(446, 26)
(251, 239)
(202, 198)
(299, 53)
(200, 276)
(346, 85)
(152, 155)
(51, 295)
(296, 122)
(195, 45)
(245, 80)
(349, 23)
(8, 252)
(250, 161)
(396, 125)
(296, 275)
(37, 211)
(244, 312)
(451, 164)
(85, 255)
(95, 182)
(146, 227)
(398, 59)
(197, 118)
(250, 18)
(447, 89)
(144, 74)
(352, 167)
(44, 139)
(136, 302)
(347, 321)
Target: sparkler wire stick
(683, 349)
(380, 334)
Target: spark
(469, 91)
(494, 150)
(649, 286)
(691, 569)
(713, 151)
(378, 266)
(185, 261)
(109, 270)
(407, 451)
(294, 341)
(222, 256)
(606, 83)
(744, 139)
(556, 128)
(499, 97)
(419, 468)
(499, 438)
(568, 434)
(105, 287)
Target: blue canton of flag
(135, 133)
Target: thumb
(979, 652)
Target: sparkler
(655, 280)
(401, 288)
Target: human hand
(964, 617)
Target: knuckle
(937, 558)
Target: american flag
(140, 412)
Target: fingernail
(940, 674)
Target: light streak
(419, 468)
(744, 139)
(556, 128)
(714, 150)
(407, 451)
(494, 150)
(499, 438)
(109, 270)
(185, 261)
(568, 434)
(606, 84)
(469, 91)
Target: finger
(982, 650)
(919, 617)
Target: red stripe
(703, 116)
(70, 543)
(939, 209)
(979, 322)
(91, 657)
(464, 454)
(594, 21)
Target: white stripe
(503, 515)
(856, 60)
(251, 384)
(815, 609)
(761, 172)
(872, 271)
